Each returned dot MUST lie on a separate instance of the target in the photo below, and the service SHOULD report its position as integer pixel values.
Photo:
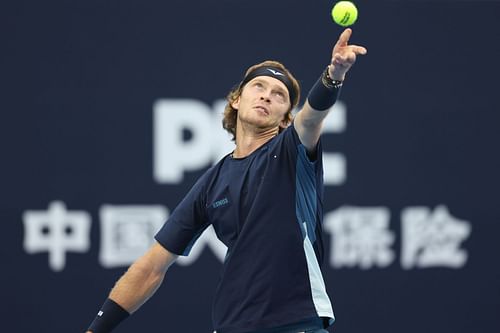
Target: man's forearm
(136, 286)
(132, 290)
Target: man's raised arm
(324, 93)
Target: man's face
(263, 103)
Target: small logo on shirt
(220, 202)
(100, 313)
(275, 72)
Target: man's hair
(231, 114)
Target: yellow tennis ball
(344, 13)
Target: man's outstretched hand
(344, 56)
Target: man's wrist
(324, 93)
(332, 81)
(110, 315)
(336, 74)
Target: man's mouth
(262, 109)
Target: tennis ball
(344, 13)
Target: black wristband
(110, 315)
(324, 93)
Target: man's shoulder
(214, 170)
(289, 135)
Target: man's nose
(266, 96)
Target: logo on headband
(275, 72)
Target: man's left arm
(309, 120)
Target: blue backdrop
(109, 113)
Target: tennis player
(265, 202)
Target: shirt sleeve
(187, 222)
(293, 142)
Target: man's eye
(280, 95)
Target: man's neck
(247, 142)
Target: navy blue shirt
(267, 209)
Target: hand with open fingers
(344, 56)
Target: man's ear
(236, 103)
(286, 122)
